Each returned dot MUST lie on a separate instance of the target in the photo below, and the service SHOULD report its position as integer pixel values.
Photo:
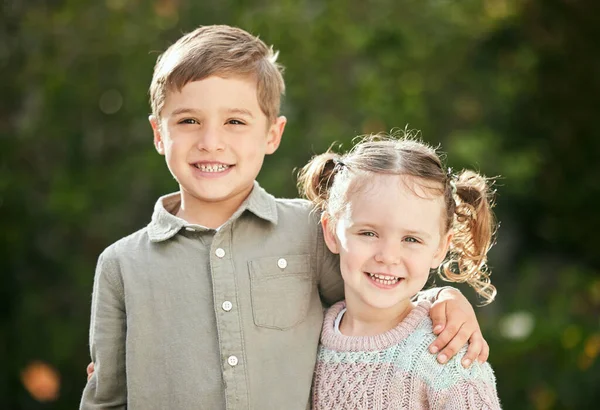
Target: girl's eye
(235, 122)
(411, 239)
(369, 234)
(188, 121)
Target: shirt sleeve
(459, 388)
(431, 295)
(331, 285)
(107, 387)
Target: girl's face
(388, 237)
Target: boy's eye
(370, 234)
(235, 122)
(411, 239)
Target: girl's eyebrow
(422, 234)
(414, 232)
(364, 224)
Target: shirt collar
(165, 224)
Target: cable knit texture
(395, 370)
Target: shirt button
(282, 263)
(227, 305)
(232, 360)
(220, 252)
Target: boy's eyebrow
(184, 110)
(239, 111)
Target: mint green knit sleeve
(458, 388)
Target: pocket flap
(280, 266)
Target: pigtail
(316, 178)
(473, 231)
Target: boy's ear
(442, 251)
(274, 134)
(328, 234)
(158, 141)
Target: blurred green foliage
(510, 87)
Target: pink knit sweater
(394, 370)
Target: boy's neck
(209, 214)
(363, 320)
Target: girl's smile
(383, 281)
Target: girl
(392, 213)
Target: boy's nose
(210, 141)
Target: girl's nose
(388, 253)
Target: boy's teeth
(384, 280)
(212, 168)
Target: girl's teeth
(384, 280)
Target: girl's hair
(328, 180)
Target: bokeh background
(510, 87)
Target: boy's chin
(220, 194)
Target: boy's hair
(223, 51)
(328, 180)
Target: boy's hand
(455, 323)
(90, 370)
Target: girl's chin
(379, 303)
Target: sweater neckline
(339, 342)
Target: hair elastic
(453, 186)
(451, 180)
(338, 163)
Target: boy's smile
(207, 168)
(214, 136)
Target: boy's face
(214, 137)
(388, 239)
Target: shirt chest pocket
(280, 289)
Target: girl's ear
(442, 251)
(328, 233)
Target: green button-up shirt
(185, 317)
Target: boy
(217, 303)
